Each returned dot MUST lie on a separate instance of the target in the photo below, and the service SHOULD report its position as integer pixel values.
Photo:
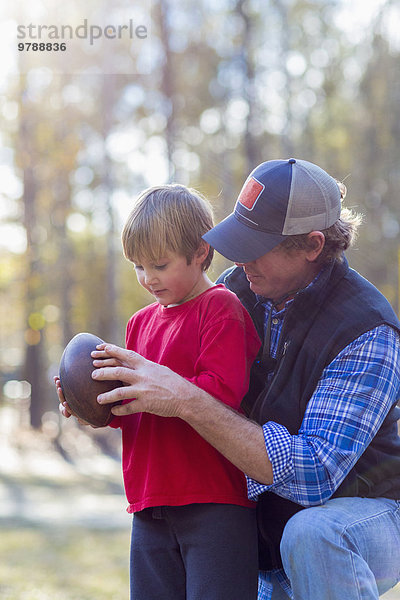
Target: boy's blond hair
(167, 218)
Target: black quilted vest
(321, 321)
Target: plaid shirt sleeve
(354, 395)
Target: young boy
(194, 532)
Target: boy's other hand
(63, 406)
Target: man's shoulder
(365, 297)
(233, 277)
(223, 278)
(235, 280)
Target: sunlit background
(219, 86)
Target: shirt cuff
(278, 446)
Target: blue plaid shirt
(353, 396)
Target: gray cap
(279, 198)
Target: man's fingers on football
(128, 357)
(117, 373)
(105, 362)
(126, 409)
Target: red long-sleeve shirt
(211, 341)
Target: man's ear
(316, 243)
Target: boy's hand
(64, 407)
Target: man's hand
(156, 389)
(151, 387)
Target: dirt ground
(56, 501)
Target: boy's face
(171, 280)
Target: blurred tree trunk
(285, 45)
(167, 85)
(252, 154)
(376, 137)
(64, 275)
(108, 316)
(34, 367)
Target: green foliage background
(232, 83)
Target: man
(320, 446)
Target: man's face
(279, 272)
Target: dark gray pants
(194, 552)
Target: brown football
(79, 389)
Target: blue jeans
(347, 549)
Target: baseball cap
(278, 199)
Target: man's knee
(303, 534)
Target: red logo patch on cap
(250, 193)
